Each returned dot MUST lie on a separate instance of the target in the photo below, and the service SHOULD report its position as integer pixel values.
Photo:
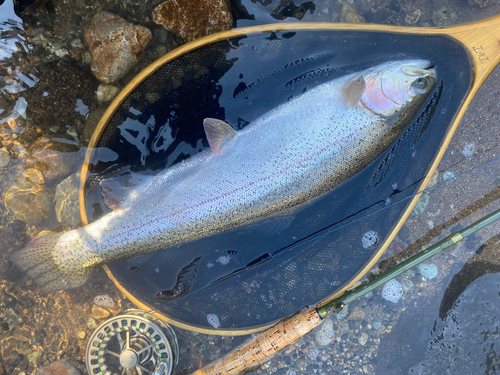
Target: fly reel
(136, 343)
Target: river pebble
(106, 92)
(407, 284)
(428, 270)
(448, 175)
(363, 338)
(348, 13)
(421, 204)
(4, 158)
(115, 45)
(357, 314)
(444, 17)
(99, 312)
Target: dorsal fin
(218, 133)
(353, 91)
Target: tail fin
(38, 260)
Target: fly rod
(252, 354)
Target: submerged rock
(421, 204)
(28, 201)
(428, 270)
(4, 158)
(324, 334)
(62, 367)
(99, 312)
(349, 14)
(444, 17)
(192, 19)
(67, 201)
(115, 45)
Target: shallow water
(43, 61)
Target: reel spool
(130, 344)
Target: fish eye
(421, 83)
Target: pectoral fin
(353, 91)
(218, 133)
(118, 184)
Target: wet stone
(4, 158)
(34, 357)
(34, 175)
(363, 338)
(91, 323)
(115, 45)
(444, 17)
(12, 318)
(407, 284)
(99, 313)
(349, 14)
(357, 314)
(428, 270)
(421, 204)
(62, 367)
(376, 324)
(324, 334)
(106, 92)
(192, 19)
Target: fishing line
(328, 229)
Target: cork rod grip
(251, 354)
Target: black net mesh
(249, 277)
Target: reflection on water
(471, 322)
(12, 36)
(48, 109)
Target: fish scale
(288, 156)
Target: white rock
(324, 334)
(393, 291)
(106, 92)
(213, 320)
(363, 338)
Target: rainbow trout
(290, 155)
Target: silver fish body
(292, 154)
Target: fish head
(392, 86)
